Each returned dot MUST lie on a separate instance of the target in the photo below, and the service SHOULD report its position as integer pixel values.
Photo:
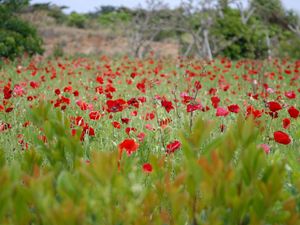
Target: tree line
(202, 28)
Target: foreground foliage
(226, 181)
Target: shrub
(77, 20)
(16, 36)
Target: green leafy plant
(223, 180)
(16, 36)
(77, 20)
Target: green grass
(216, 176)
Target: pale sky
(90, 5)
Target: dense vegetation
(16, 36)
(264, 29)
(124, 141)
(259, 31)
(182, 140)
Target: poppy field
(154, 141)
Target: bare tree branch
(295, 29)
(245, 15)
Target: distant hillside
(71, 40)
(263, 29)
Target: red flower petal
(94, 115)
(282, 138)
(294, 113)
(129, 145)
(147, 168)
(222, 112)
(234, 108)
(286, 123)
(173, 146)
(274, 106)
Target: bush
(250, 41)
(77, 20)
(114, 18)
(16, 36)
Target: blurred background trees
(200, 28)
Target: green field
(168, 141)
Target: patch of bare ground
(89, 41)
(85, 41)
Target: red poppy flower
(212, 91)
(193, 107)
(7, 92)
(141, 136)
(290, 94)
(83, 105)
(18, 90)
(147, 168)
(76, 93)
(286, 123)
(167, 105)
(141, 86)
(116, 125)
(133, 102)
(173, 146)
(87, 130)
(129, 129)
(34, 84)
(65, 100)
(274, 106)
(94, 115)
(57, 91)
(73, 132)
(79, 121)
(142, 99)
(26, 124)
(282, 138)
(186, 99)
(129, 145)
(294, 113)
(134, 113)
(68, 89)
(90, 131)
(115, 105)
(254, 112)
(125, 120)
(9, 109)
(215, 100)
(266, 148)
(100, 80)
(234, 108)
(197, 85)
(150, 116)
(222, 112)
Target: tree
(16, 36)
(147, 25)
(269, 11)
(235, 37)
(293, 22)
